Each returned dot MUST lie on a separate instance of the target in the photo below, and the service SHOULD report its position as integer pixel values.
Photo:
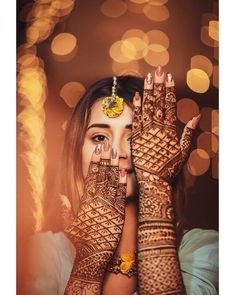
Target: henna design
(96, 230)
(158, 156)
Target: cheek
(87, 152)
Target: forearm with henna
(95, 231)
(158, 157)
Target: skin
(115, 134)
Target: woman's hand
(158, 156)
(96, 230)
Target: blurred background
(63, 46)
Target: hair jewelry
(113, 105)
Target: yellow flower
(113, 108)
(125, 266)
(127, 262)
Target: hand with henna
(158, 156)
(96, 230)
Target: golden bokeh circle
(63, 44)
(198, 80)
(206, 39)
(215, 122)
(71, 92)
(156, 13)
(215, 77)
(135, 7)
(136, 33)
(134, 47)
(157, 55)
(187, 108)
(203, 63)
(122, 54)
(157, 2)
(113, 8)
(198, 162)
(208, 142)
(158, 37)
(120, 69)
(214, 30)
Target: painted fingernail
(106, 146)
(137, 96)
(98, 149)
(149, 78)
(123, 172)
(113, 153)
(169, 77)
(159, 70)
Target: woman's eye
(98, 138)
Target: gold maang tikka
(113, 105)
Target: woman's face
(117, 131)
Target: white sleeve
(51, 257)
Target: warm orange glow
(32, 35)
(157, 2)
(187, 108)
(63, 44)
(113, 8)
(40, 30)
(135, 33)
(135, 8)
(203, 63)
(72, 92)
(206, 39)
(215, 167)
(156, 13)
(123, 68)
(215, 78)
(214, 30)
(25, 13)
(61, 8)
(215, 122)
(198, 80)
(32, 94)
(139, 1)
(141, 47)
(157, 55)
(117, 52)
(198, 162)
(208, 142)
(206, 119)
(158, 37)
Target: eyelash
(95, 138)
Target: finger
(90, 181)
(137, 117)
(159, 95)
(104, 163)
(186, 138)
(113, 172)
(66, 208)
(147, 107)
(170, 104)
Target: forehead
(97, 115)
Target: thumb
(187, 135)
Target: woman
(121, 156)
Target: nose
(123, 148)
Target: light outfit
(52, 255)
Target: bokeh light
(198, 80)
(122, 54)
(208, 142)
(198, 162)
(214, 30)
(157, 55)
(64, 46)
(215, 166)
(135, 8)
(40, 30)
(215, 122)
(126, 68)
(128, 45)
(187, 108)
(29, 60)
(113, 8)
(156, 12)
(135, 33)
(158, 37)
(206, 39)
(215, 77)
(157, 2)
(71, 93)
(203, 63)
(26, 13)
(206, 119)
(139, 1)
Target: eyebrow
(101, 125)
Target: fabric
(52, 257)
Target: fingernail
(169, 77)
(98, 149)
(137, 96)
(159, 70)
(195, 120)
(123, 172)
(106, 146)
(113, 153)
(149, 78)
